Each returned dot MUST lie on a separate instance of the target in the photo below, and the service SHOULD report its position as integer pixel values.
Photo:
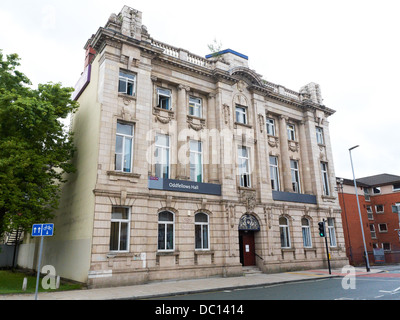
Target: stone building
(191, 167)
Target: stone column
(181, 115)
(286, 173)
(213, 140)
(305, 163)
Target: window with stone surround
(166, 229)
(291, 132)
(274, 172)
(295, 174)
(120, 226)
(201, 225)
(127, 83)
(284, 232)
(320, 135)
(124, 147)
(325, 178)
(196, 161)
(332, 232)
(195, 107)
(244, 166)
(164, 98)
(270, 123)
(161, 155)
(241, 114)
(305, 228)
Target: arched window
(165, 231)
(305, 228)
(284, 231)
(201, 230)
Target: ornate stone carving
(249, 200)
(227, 112)
(249, 222)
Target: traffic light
(321, 227)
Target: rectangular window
(320, 135)
(244, 166)
(376, 190)
(284, 232)
(127, 83)
(274, 172)
(366, 194)
(305, 228)
(291, 132)
(294, 168)
(201, 232)
(379, 208)
(166, 226)
(119, 236)
(164, 98)
(195, 107)
(386, 246)
(124, 147)
(161, 156)
(382, 227)
(370, 213)
(373, 232)
(396, 187)
(241, 114)
(196, 161)
(271, 127)
(331, 231)
(325, 178)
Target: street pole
(38, 268)
(327, 249)
(359, 212)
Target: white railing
(200, 61)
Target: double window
(166, 231)
(120, 225)
(124, 147)
(244, 166)
(195, 107)
(196, 163)
(161, 155)
(127, 83)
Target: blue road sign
(43, 230)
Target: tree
(215, 48)
(35, 148)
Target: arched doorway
(248, 225)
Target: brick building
(377, 194)
(190, 166)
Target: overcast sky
(350, 48)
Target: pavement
(158, 290)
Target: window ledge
(243, 125)
(126, 96)
(119, 175)
(167, 253)
(203, 252)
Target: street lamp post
(359, 211)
